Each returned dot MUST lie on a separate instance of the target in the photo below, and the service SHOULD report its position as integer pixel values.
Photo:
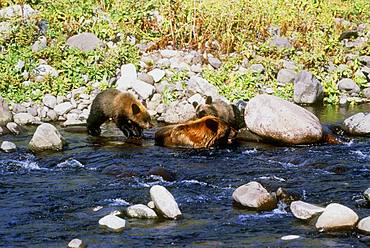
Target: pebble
(8, 146)
(77, 243)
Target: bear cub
(128, 113)
(205, 132)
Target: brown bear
(128, 113)
(205, 132)
(229, 113)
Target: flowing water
(49, 198)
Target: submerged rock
(364, 225)
(336, 217)
(113, 222)
(254, 195)
(141, 211)
(358, 124)
(305, 211)
(46, 137)
(276, 119)
(77, 243)
(8, 146)
(163, 172)
(165, 202)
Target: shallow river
(48, 199)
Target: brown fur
(206, 132)
(129, 114)
(229, 113)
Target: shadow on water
(49, 198)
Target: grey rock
(77, 243)
(280, 42)
(46, 137)
(197, 68)
(144, 90)
(365, 59)
(52, 115)
(12, 11)
(358, 124)
(84, 42)
(347, 84)
(145, 78)
(196, 98)
(40, 44)
(257, 68)
(290, 65)
(18, 108)
(367, 194)
(154, 101)
(164, 202)
(23, 118)
(305, 211)
(49, 101)
(362, 72)
(5, 114)
(366, 93)
(254, 195)
(32, 111)
(161, 109)
(307, 89)
(335, 217)
(112, 222)
(141, 211)
(8, 146)
(164, 63)
(63, 108)
(214, 62)
(276, 119)
(157, 74)
(286, 76)
(199, 85)
(343, 100)
(178, 112)
(167, 53)
(128, 76)
(13, 128)
(364, 225)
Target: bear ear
(135, 109)
(209, 100)
(195, 104)
(212, 125)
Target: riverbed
(47, 199)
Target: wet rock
(290, 237)
(77, 243)
(336, 217)
(144, 90)
(214, 62)
(358, 124)
(364, 225)
(13, 128)
(347, 84)
(157, 74)
(113, 222)
(5, 114)
(178, 112)
(128, 75)
(151, 205)
(286, 196)
(84, 42)
(8, 146)
(276, 119)
(40, 44)
(63, 108)
(49, 101)
(280, 42)
(164, 202)
(257, 68)
(254, 195)
(145, 78)
(163, 172)
(141, 211)
(305, 211)
(286, 76)
(367, 194)
(23, 118)
(307, 89)
(12, 11)
(46, 137)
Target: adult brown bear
(229, 113)
(205, 132)
(129, 114)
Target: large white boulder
(364, 225)
(335, 217)
(281, 121)
(358, 124)
(165, 202)
(304, 211)
(46, 137)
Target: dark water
(48, 199)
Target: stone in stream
(77, 243)
(8, 146)
(141, 211)
(358, 124)
(364, 225)
(151, 205)
(307, 88)
(305, 211)
(286, 196)
(162, 172)
(278, 120)
(290, 237)
(165, 202)
(112, 222)
(254, 195)
(336, 217)
(46, 137)
(367, 194)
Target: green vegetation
(219, 27)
